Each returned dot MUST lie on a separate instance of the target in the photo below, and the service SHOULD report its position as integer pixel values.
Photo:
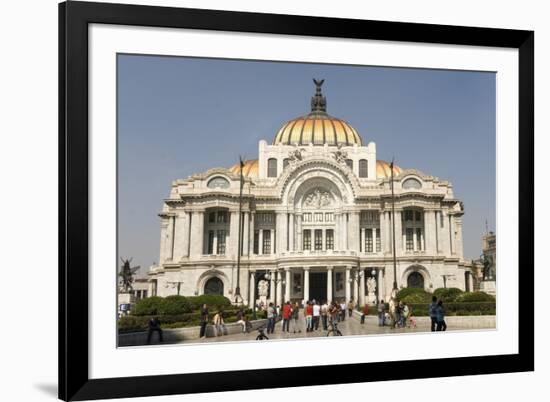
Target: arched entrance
(415, 280)
(213, 286)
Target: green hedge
(448, 294)
(457, 308)
(475, 297)
(174, 305)
(131, 323)
(414, 295)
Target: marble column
(215, 243)
(458, 242)
(362, 241)
(356, 294)
(306, 283)
(272, 243)
(287, 284)
(291, 233)
(245, 232)
(398, 234)
(345, 242)
(382, 284)
(197, 234)
(170, 238)
(181, 232)
(348, 284)
(451, 235)
(329, 284)
(272, 286)
(281, 232)
(353, 232)
(252, 289)
(299, 241)
(260, 242)
(362, 287)
(232, 247)
(279, 291)
(251, 232)
(337, 231)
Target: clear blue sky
(178, 116)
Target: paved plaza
(351, 326)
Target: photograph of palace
(317, 224)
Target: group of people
(218, 322)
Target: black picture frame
(74, 18)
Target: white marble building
(316, 217)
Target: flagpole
(393, 231)
(240, 241)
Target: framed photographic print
(242, 192)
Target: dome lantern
(318, 127)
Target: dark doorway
(214, 286)
(318, 286)
(415, 280)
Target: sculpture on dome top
(318, 101)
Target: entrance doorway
(318, 286)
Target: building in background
(316, 222)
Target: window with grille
(409, 215)
(221, 241)
(378, 242)
(363, 168)
(409, 239)
(318, 217)
(256, 241)
(307, 239)
(272, 167)
(210, 249)
(306, 217)
(368, 241)
(418, 238)
(266, 246)
(330, 239)
(222, 217)
(318, 239)
(212, 217)
(329, 217)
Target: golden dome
(317, 130)
(383, 170)
(250, 168)
(318, 127)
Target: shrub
(458, 308)
(414, 295)
(475, 297)
(448, 294)
(212, 301)
(173, 305)
(147, 306)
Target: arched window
(415, 280)
(363, 168)
(411, 184)
(218, 182)
(272, 167)
(213, 286)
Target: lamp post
(276, 281)
(393, 230)
(356, 276)
(240, 234)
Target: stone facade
(316, 217)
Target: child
(412, 321)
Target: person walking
(440, 316)
(271, 315)
(296, 318)
(432, 312)
(364, 313)
(351, 306)
(324, 316)
(343, 310)
(308, 313)
(154, 326)
(405, 315)
(204, 321)
(316, 315)
(287, 312)
(381, 313)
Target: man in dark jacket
(432, 311)
(204, 320)
(154, 326)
